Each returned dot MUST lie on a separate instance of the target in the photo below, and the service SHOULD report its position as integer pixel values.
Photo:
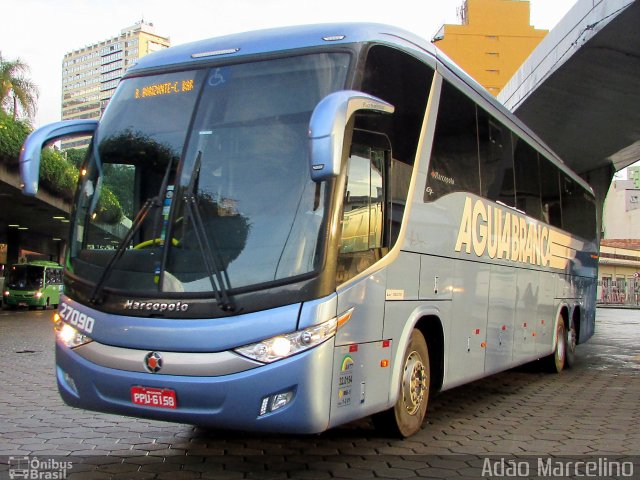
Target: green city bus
(33, 284)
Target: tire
(555, 362)
(571, 342)
(406, 416)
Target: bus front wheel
(407, 415)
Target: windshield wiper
(212, 262)
(151, 202)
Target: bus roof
(278, 40)
(264, 42)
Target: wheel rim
(414, 383)
(561, 348)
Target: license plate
(154, 397)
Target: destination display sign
(165, 88)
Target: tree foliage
(18, 94)
(12, 135)
(58, 175)
(76, 156)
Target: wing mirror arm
(32, 149)
(327, 128)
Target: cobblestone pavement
(592, 409)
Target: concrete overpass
(28, 222)
(580, 89)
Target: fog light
(280, 400)
(275, 402)
(68, 380)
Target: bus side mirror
(35, 142)
(327, 127)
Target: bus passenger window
(496, 160)
(551, 210)
(363, 220)
(527, 179)
(578, 209)
(454, 157)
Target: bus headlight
(69, 336)
(37, 294)
(283, 346)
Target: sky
(40, 32)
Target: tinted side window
(550, 193)
(527, 173)
(454, 158)
(496, 160)
(578, 209)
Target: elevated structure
(37, 224)
(579, 89)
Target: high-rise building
(91, 74)
(493, 40)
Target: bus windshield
(25, 277)
(199, 175)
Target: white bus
(317, 224)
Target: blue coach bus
(318, 224)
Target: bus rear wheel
(572, 341)
(556, 361)
(406, 416)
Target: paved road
(593, 409)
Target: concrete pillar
(600, 181)
(13, 246)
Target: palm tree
(15, 89)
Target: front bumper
(230, 401)
(26, 300)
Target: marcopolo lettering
(156, 306)
(441, 178)
(490, 230)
